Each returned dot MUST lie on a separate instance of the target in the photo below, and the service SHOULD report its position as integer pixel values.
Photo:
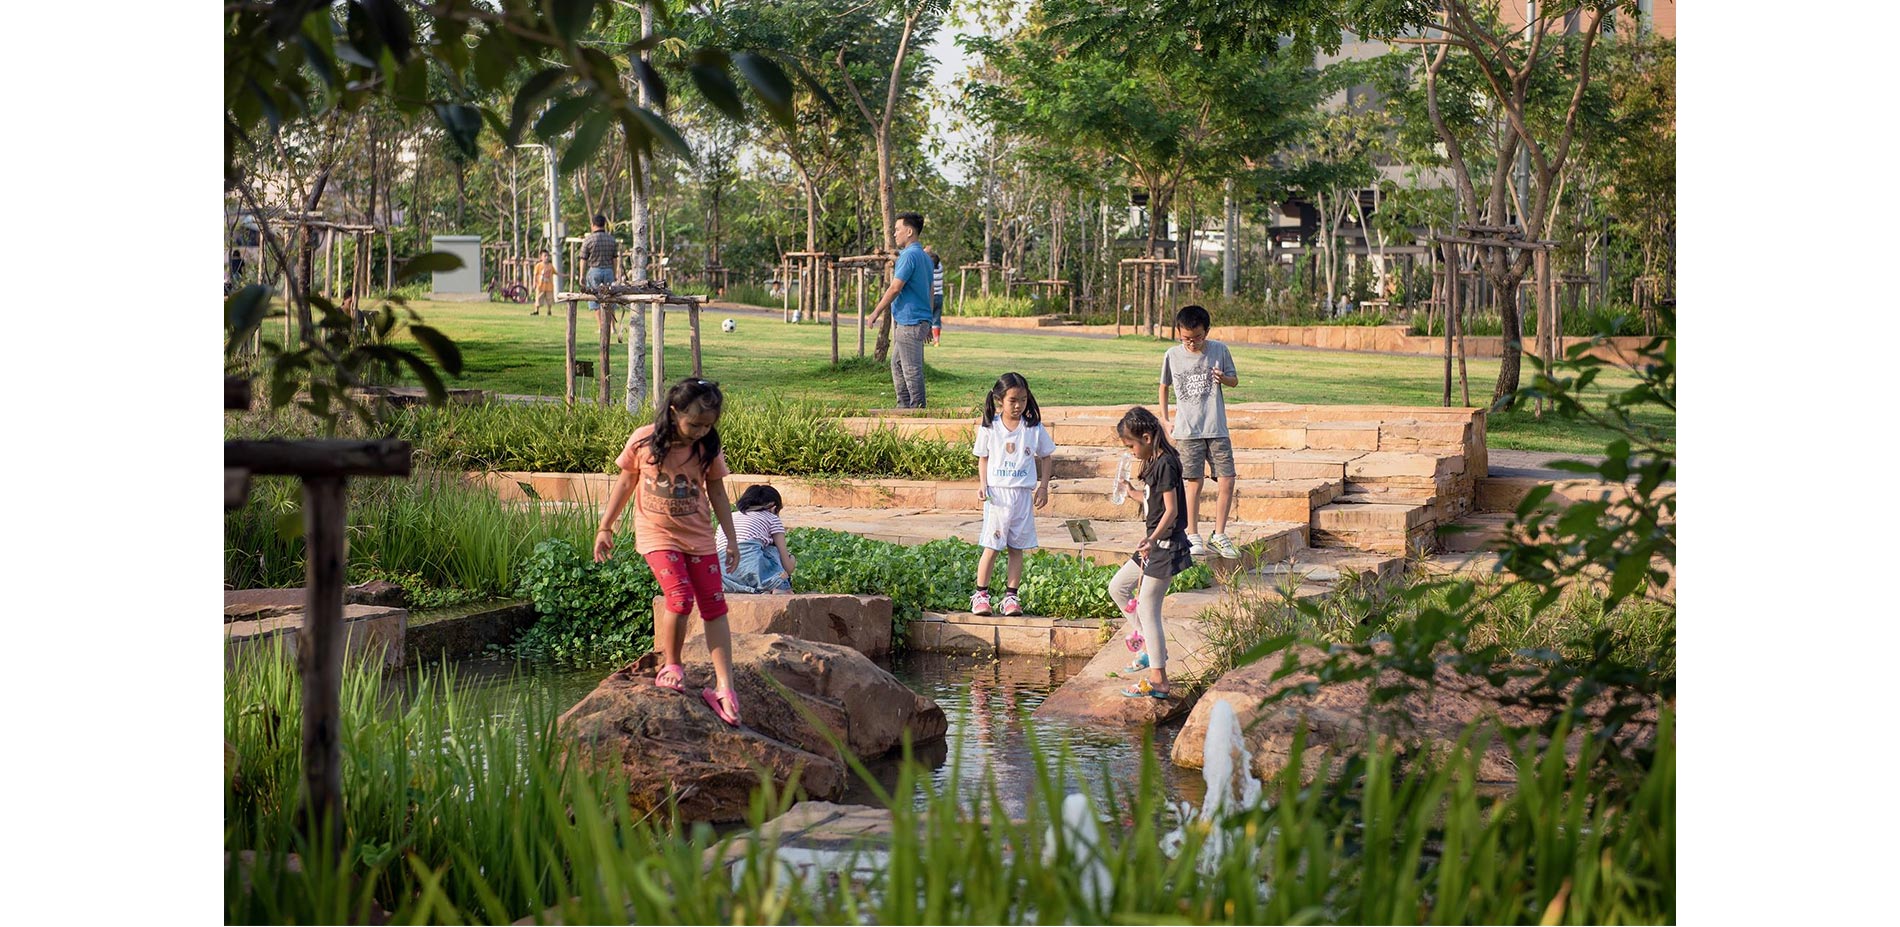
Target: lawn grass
(506, 349)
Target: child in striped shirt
(765, 565)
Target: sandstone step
(1387, 528)
(1503, 494)
(988, 635)
(1254, 499)
(1327, 565)
(1085, 461)
(1116, 540)
(1474, 532)
(370, 632)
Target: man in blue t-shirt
(908, 298)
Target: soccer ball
(728, 326)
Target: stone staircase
(1371, 478)
(1466, 543)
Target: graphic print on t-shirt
(671, 493)
(1193, 384)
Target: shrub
(767, 435)
(589, 612)
(940, 575)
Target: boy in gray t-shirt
(1198, 369)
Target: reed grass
(453, 818)
(432, 526)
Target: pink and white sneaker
(980, 603)
(1012, 606)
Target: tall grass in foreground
(430, 525)
(451, 818)
(1503, 613)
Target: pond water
(987, 703)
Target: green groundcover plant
(941, 574)
(593, 613)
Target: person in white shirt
(765, 564)
(936, 297)
(1012, 480)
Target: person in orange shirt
(674, 473)
(543, 284)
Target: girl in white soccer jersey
(1013, 481)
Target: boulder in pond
(861, 622)
(670, 744)
(1340, 719)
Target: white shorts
(1009, 518)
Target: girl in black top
(1163, 551)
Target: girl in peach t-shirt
(671, 482)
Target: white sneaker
(1223, 545)
(1196, 549)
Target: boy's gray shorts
(1219, 452)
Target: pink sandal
(671, 676)
(724, 702)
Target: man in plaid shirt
(599, 251)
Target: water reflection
(987, 703)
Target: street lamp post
(554, 206)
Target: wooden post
(860, 274)
(692, 320)
(1451, 310)
(831, 300)
(320, 655)
(658, 317)
(605, 373)
(785, 286)
(1458, 319)
(962, 284)
(572, 320)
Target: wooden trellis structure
(329, 278)
(1013, 278)
(983, 269)
(1484, 239)
(325, 468)
(814, 272)
(718, 277)
(1142, 288)
(863, 268)
(1054, 290)
(613, 295)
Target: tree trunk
(642, 220)
(1230, 251)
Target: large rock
(860, 622)
(254, 630)
(1339, 721)
(671, 744)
